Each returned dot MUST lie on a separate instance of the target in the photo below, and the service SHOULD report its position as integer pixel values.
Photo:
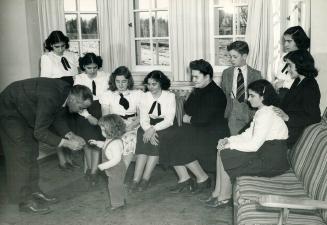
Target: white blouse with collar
(168, 110)
(101, 82)
(266, 125)
(110, 100)
(52, 67)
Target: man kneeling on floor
(30, 111)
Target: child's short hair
(114, 126)
(240, 46)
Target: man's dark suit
(29, 108)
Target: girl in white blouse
(261, 150)
(59, 62)
(157, 113)
(122, 100)
(87, 122)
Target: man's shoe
(33, 207)
(187, 185)
(43, 197)
(201, 187)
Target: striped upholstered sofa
(298, 197)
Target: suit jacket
(301, 104)
(39, 102)
(238, 113)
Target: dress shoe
(207, 199)
(73, 165)
(144, 184)
(94, 178)
(43, 197)
(134, 186)
(33, 207)
(187, 185)
(200, 187)
(65, 167)
(215, 203)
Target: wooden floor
(81, 205)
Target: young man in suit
(31, 110)
(235, 80)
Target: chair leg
(283, 216)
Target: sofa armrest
(278, 201)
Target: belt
(128, 116)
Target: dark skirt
(148, 148)
(83, 126)
(190, 143)
(270, 160)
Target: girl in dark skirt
(157, 113)
(87, 121)
(261, 150)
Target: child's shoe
(144, 185)
(134, 186)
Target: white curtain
(51, 17)
(114, 33)
(259, 36)
(187, 22)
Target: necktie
(65, 63)
(94, 88)
(240, 93)
(158, 108)
(123, 101)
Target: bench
(298, 197)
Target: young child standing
(113, 127)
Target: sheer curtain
(259, 36)
(187, 22)
(114, 33)
(51, 17)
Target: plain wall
(19, 41)
(319, 45)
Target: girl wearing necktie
(122, 100)
(87, 120)
(59, 62)
(157, 113)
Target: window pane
(221, 54)
(161, 52)
(71, 25)
(160, 24)
(89, 26)
(142, 28)
(143, 53)
(69, 5)
(223, 22)
(161, 4)
(241, 20)
(90, 46)
(74, 46)
(141, 4)
(88, 5)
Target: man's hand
(72, 144)
(154, 139)
(77, 138)
(222, 144)
(281, 113)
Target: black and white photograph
(163, 112)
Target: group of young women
(202, 144)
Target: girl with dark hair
(261, 150)
(122, 100)
(300, 106)
(294, 38)
(97, 81)
(113, 127)
(157, 113)
(59, 62)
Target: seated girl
(157, 113)
(122, 100)
(261, 150)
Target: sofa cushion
(309, 159)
